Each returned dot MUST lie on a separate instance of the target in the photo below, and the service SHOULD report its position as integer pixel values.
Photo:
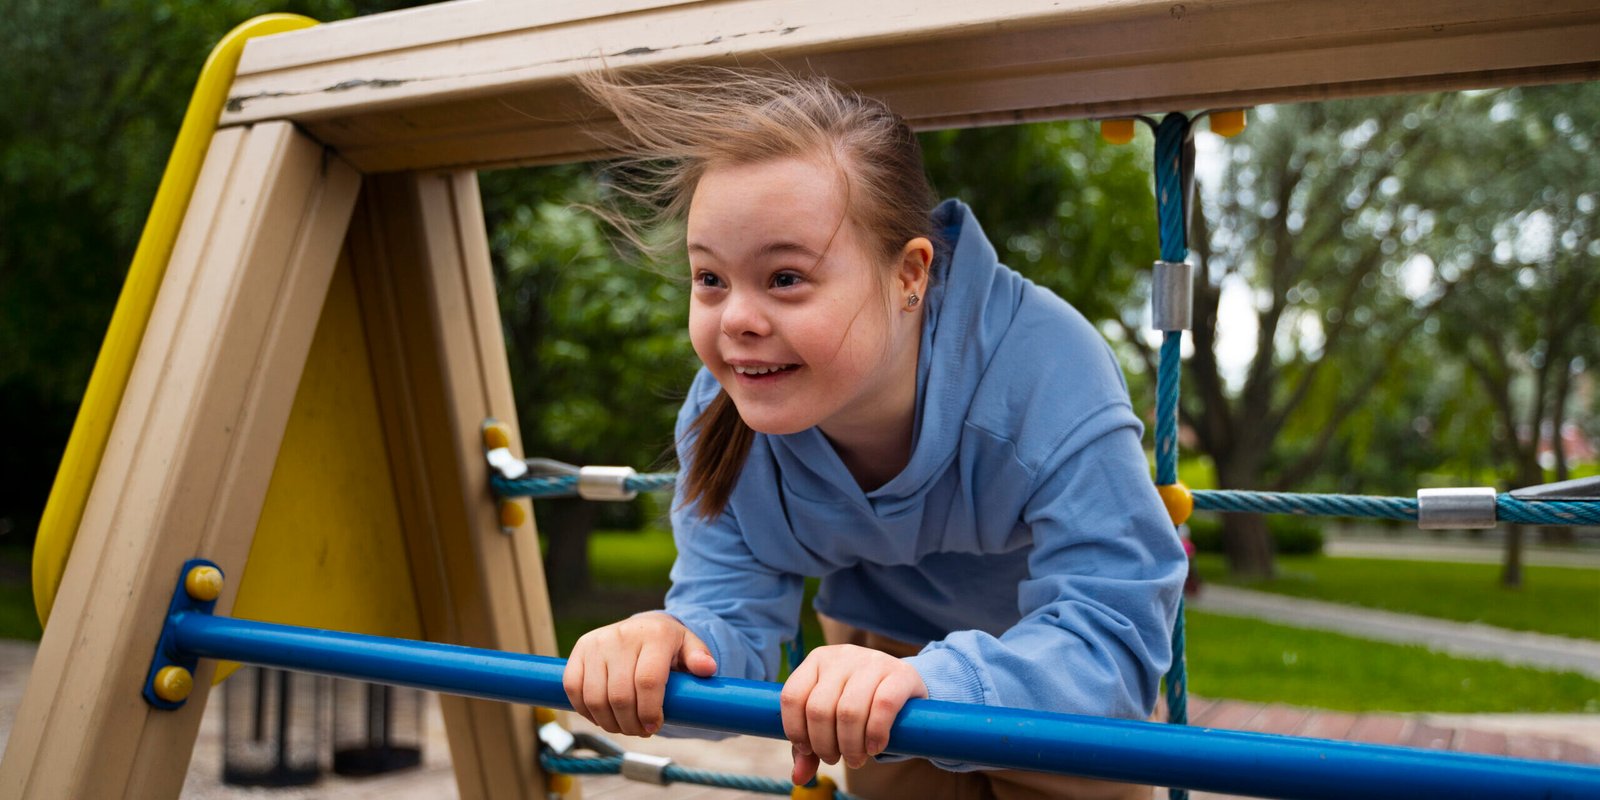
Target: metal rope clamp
(645, 768)
(606, 483)
(1453, 509)
(558, 739)
(1172, 296)
(509, 466)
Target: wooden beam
(488, 82)
(421, 261)
(186, 468)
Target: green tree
(1527, 320)
(93, 94)
(1308, 218)
(1416, 267)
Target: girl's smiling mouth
(752, 373)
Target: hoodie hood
(958, 342)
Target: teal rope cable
(1507, 508)
(542, 486)
(1170, 135)
(1167, 385)
(612, 765)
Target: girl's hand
(616, 676)
(841, 702)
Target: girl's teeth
(758, 370)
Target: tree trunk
(1511, 570)
(1245, 539)
(1559, 534)
(1248, 545)
(565, 524)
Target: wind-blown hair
(683, 122)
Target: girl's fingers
(695, 656)
(572, 684)
(620, 694)
(821, 712)
(595, 697)
(650, 684)
(852, 712)
(891, 696)
(805, 767)
(792, 705)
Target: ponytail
(721, 444)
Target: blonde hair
(681, 123)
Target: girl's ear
(916, 259)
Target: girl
(884, 405)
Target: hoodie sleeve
(740, 607)
(1100, 598)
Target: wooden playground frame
(346, 152)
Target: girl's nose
(743, 315)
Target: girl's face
(795, 314)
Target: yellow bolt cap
(823, 790)
(495, 436)
(173, 684)
(203, 583)
(1116, 131)
(511, 514)
(1178, 500)
(543, 716)
(1227, 123)
(558, 783)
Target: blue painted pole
(1230, 762)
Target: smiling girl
(884, 405)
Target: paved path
(1461, 552)
(1457, 638)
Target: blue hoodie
(1024, 541)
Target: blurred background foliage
(1418, 274)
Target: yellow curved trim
(58, 526)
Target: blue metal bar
(1198, 758)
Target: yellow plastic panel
(328, 550)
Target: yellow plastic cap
(1116, 131)
(822, 790)
(511, 514)
(544, 716)
(1178, 500)
(495, 436)
(173, 684)
(558, 783)
(203, 583)
(1227, 123)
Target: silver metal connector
(1172, 296)
(1452, 509)
(645, 768)
(605, 483)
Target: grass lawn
(1246, 659)
(1564, 601)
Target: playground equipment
(300, 402)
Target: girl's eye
(707, 279)
(784, 280)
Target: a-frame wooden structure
(335, 229)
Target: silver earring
(913, 300)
